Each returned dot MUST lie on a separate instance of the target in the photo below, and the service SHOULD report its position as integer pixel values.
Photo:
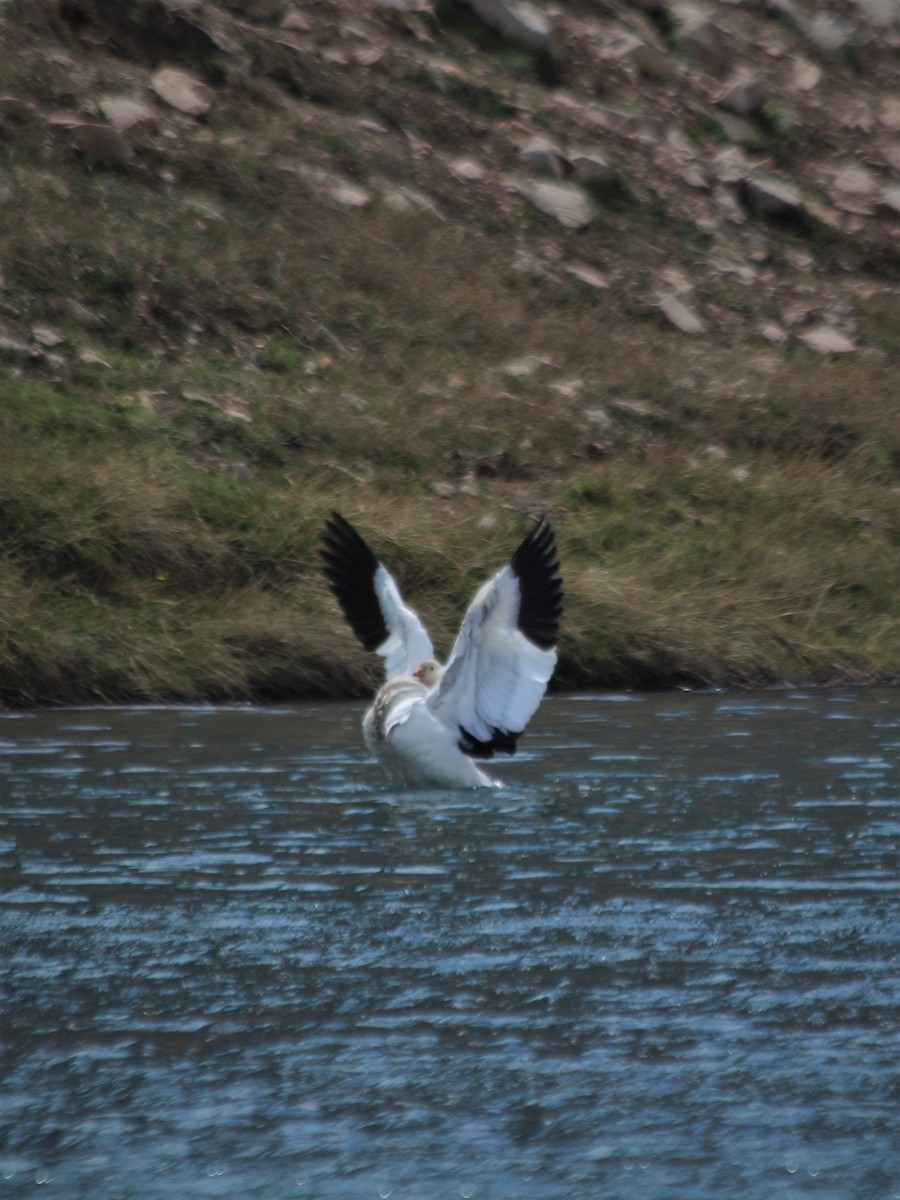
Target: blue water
(663, 962)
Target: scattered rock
(701, 37)
(14, 350)
(516, 21)
(590, 168)
(90, 358)
(523, 368)
(295, 21)
(831, 34)
(883, 13)
(46, 337)
(855, 180)
(126, 114)
(408, 200)
(767, 197)
(773, 333)
(468, 169)
(14, 108)
(825, 339)
(182, 91)
(743, 96)
(444, 491)
(228, 408)
(568, 204)
(680, 315)
(586, 275)
(599, 418)
(649, 61)
(807, 75)
(541, 157)
(889, 203)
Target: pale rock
(409, 200)
(800, 260)
(769, 197)
(124, 113)
(62, 124)
(101, 145)
(530, 364)
(678, 141)
(882, 13)
(807, 75)
(889, 203)
(14, 350)
(650, 128)
(825, 339)
(647, 59)
(773, 333)
(696, 177)
(823, 213)
(568, 388)
(610, 118)
(541, 157)
(350, 195)
(229, 408)
(90, 358)
(444, 491)
(15, 108)
(743, 96)
(598, 418)
(831, 34)
(633, 408)
(516, 21)
(586, 275)
(730, 164)
(566, 203)
(889, 113)
(295, 22)
(701, 36)
(406, 6)
(46, 337)
(680, 315)
(855, 181)
(468, 169)
(589, 167)
(182, 91)
(737, 129)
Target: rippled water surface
(663, 962)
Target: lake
(663, 962)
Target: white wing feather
(495, 677)
(408, 643)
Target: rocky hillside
(437, 261)
(714, 123)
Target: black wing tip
(501, 740)
(537, 568)
(349, 565)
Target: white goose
(428, 722)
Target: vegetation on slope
(233, 357)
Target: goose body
(429, 723)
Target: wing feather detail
(504, 653)
(371, 600)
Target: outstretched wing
(371, 600)
(504, 653)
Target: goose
(429, 722)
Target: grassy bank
(232, 358)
